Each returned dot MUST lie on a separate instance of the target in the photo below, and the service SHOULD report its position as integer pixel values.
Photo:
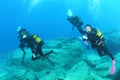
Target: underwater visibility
(60, 40)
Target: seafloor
(72, 61)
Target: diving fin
(112, 71)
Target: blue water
(47, 18)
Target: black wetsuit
(75, 21)
(36, 48)
(98, 43)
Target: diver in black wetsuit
(34, 42)
(97, 41)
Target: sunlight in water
(31, 3)
(94, 7)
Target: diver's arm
(75, 21)
(81, 30)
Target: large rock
(68, 51)
(101, 65)
(17, 55)
(4, 74)
(78, 72)
(51, 76)
(93, 76)
(82, 71)
(91, 58)
(30, 76)
(19, 72)
(54, 74)
(103, 69)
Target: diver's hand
(84, 37)
(69, 13)
(33, 55)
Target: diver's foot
(43, 57)
(53, 52)
(49, 53)
(114, 61)
(52, 63)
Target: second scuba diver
(34, 42)
(92, 35)
(97, 41)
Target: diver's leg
(107, 52)
(52, 63)
(22, 48)
(99, 51)
(49, 52)
(35, 58)
(23, 58)
(40, 52)
(80, 30)
(35, 55)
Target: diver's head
(23, 33)
(88, 28)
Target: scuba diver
(97, 41)
(34, 42)
(75, 21)
(92, 35)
